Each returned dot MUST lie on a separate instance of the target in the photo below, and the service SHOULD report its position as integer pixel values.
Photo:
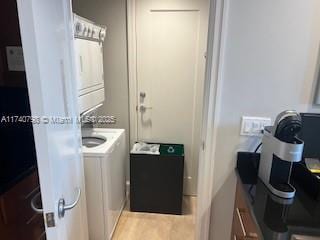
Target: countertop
(277, 218)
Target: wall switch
(15, 58)
(253, 126)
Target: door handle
(33, 203)
(249, 235)
(143, 108)
(62, 207)
(241, 222)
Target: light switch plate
(15, 58)
(253, 126)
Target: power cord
(257, 148)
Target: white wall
(111, 13)
(269, 64)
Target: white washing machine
(105, 162)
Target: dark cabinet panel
(17, 219)
(243, 226)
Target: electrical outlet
(253, 126)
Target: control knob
(78, 27)
(102, 34)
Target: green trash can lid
(172, 149)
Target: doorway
(167, 75)
(173, 65)
(19, 181)
(54, 91)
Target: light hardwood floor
(149, 226)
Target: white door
(171, 38)
(47, 39)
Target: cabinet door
(4, 230)
(17, 219)
(243, 227)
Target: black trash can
(156, 181)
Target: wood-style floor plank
(149, 226)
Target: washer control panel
(86, 29)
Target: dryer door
(90, 65)
(84, 66)
(96, 60)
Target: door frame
(132, 71)
(211, 114)
(211, 103)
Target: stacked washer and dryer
(103, 148)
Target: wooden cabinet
(17, 219)
(243, 226)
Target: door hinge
(203, 145)
(50, 220)
(137, 108)
(205, 54)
